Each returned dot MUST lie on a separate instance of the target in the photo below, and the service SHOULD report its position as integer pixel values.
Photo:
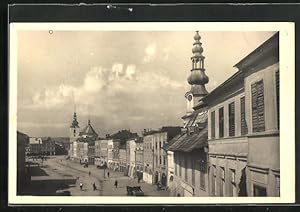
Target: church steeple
(197, 78)
(74, 122)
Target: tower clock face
(190, 97)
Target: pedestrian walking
(81, 185)
(94, 186)
(116, 183)
(108, 174)
(89, 173)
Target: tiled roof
(188, 143)
(89, 130)
(171, 142)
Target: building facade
(243, 127)
(160, 166)
(139, 159)
(41, 146)
(148, 141)
(110, 155)
(116, 160)
(123, 160)
(130, 156)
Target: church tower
(74, 129)
(197, 78)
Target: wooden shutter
(277, 97)
(244, 128)
(231, 119)
(213, 124)
(258, 106)
(221, 122)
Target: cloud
(130, 71)
(150, 53)
(165, 54)
(122, 90)
(94, 80)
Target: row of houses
(138, 157)
(229, 142)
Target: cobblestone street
(66, 172)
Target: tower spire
(197, 78)
(74, 122)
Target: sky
(119, 80)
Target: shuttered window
(221, 122)
(180, 164)
(258, 106)
(244, 128)
(176, 164)
(231, 119)
(277, 98)
(212, 124)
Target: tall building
(73, 135)
(74, 129)
(190, 175)
(148, 141)
(130, 157)
(139, 159)
(243, 127)
(160, 166)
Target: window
(164, 160)
(202, 180)
(231, 119)
(259, 191)
(193, 172)
(232, 191)
(159, 160)
(180, 165)
(222, 187)
(185, 169)
(176, 164)
(277, 97)
(212, 124)
(258, 107)
(221, 122)
(244, 128)
(214, 181)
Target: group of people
(94, 184)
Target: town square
(180, 114)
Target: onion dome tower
(197, 78)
